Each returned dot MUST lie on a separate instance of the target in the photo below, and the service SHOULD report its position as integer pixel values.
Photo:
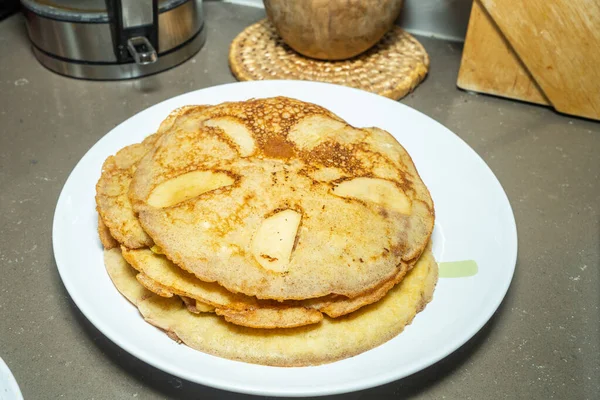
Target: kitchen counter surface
(543, 343)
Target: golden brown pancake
(123, 276)
(153, 286)
(196, 306)
(271, 317)
(167, 274)
(281, 199)
(262, 216)
(162, 277)
(337, 306)
(331, 340)
(108, 242)
(112, 201)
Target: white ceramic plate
(9, 389)
(474, 221)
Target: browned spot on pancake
(383, 212)
(248, 197)
(278, 147)
(269, 258)
(399, 250)
(406, 185)
(332, 154)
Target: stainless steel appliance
(114, 39)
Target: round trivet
(391, 68)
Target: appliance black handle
(131, 22)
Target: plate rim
(244, 388)
(9, 378)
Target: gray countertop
(544, 341)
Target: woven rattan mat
(391, 68)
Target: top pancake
(281, 199)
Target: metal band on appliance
(110, 71)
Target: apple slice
(237, 132)
(187, 186)
(274, 240)
(374, 190)
(313, 130)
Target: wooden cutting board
(489, 64)
(557, 42)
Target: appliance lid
(83, 11)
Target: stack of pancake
(268, 231)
